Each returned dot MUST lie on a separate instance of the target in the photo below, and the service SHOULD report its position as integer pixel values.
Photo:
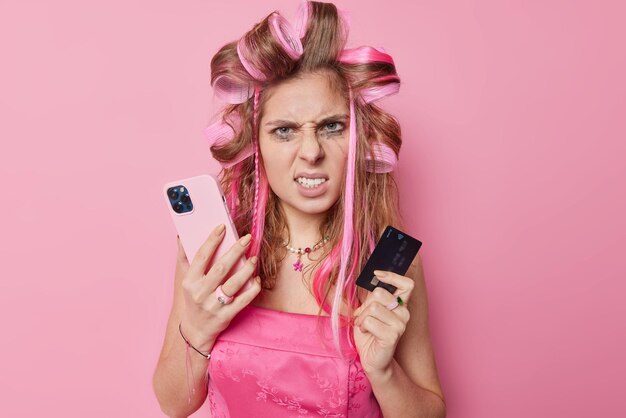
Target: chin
(313, 207)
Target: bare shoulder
(414, 352)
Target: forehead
(306, 98)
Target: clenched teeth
(310, 182)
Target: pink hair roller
(302, 20)
(383, 160)
(242, 52)
(392, 86)
(286, 36)
(220, 133)
(364, 55)
(230, 91)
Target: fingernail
(220, 228)
(258, 279)
(253, 259)
(245, 240)
(379, 273)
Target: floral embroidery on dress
(223, 370)
(215, 411)
(336, 400)
(292, 403)
(328, 414)
(357, 382)
(246, 372)
(272, 365)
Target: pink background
(512, 174)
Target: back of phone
(197, 205)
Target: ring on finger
(395, 303)
(222, 297)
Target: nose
(310, 148)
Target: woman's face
(303, 137)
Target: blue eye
(282, 132)
(334, 127)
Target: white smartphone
(197, 205)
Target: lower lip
(312, 191)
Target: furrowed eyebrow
(278, 122)
(334, 118)
(281, 122)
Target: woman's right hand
(203, 316)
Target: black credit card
(394, 252)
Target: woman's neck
(304, 228)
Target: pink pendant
(297, 266)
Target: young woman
(307, 160)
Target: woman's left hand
(377, 329)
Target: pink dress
(269, 363)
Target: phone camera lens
(173, 194)
(184, 198)
(178, 207)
